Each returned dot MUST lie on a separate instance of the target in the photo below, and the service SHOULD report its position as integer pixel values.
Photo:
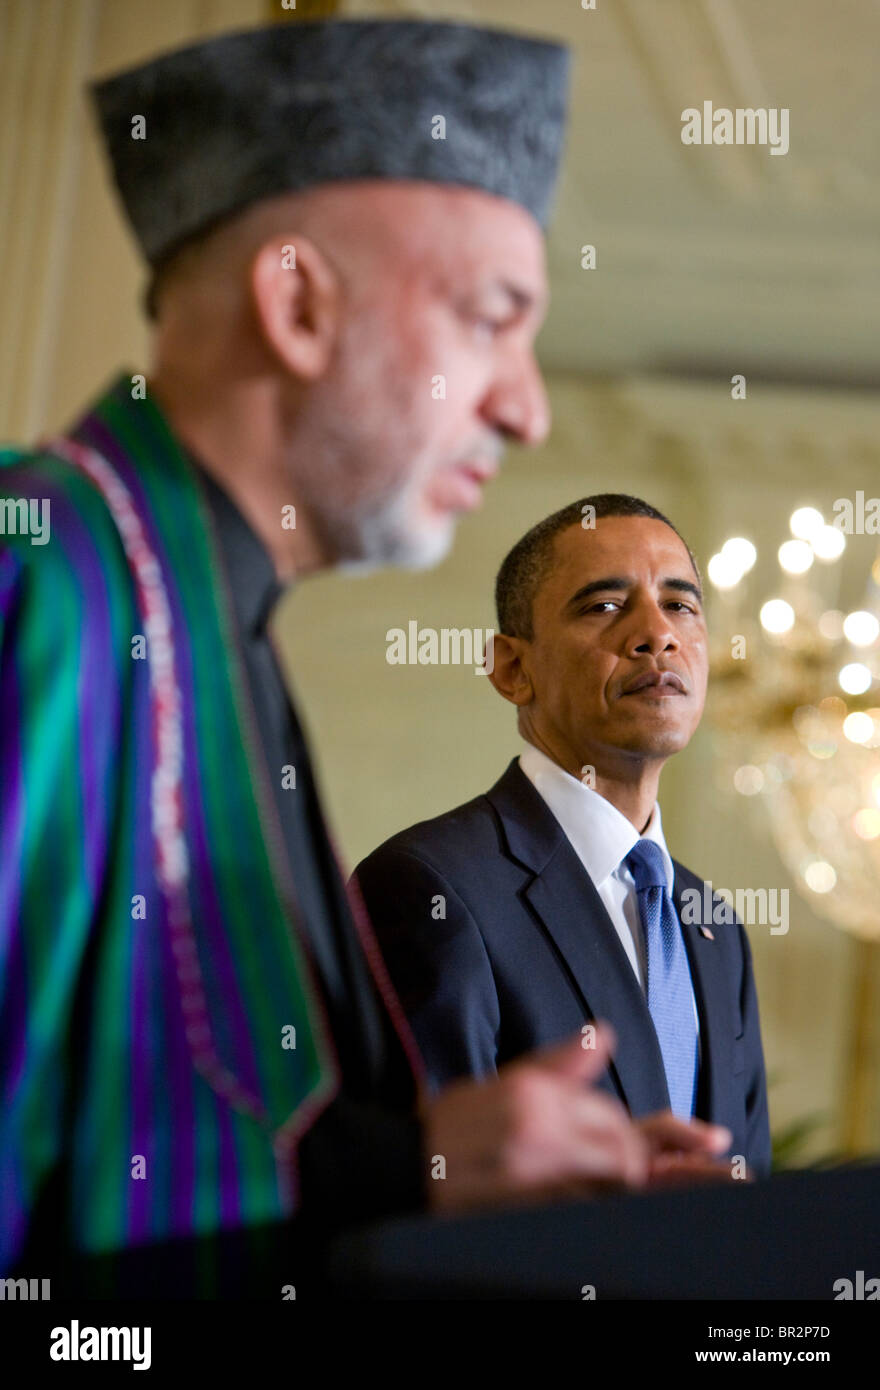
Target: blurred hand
(684, 1151)
(536, 1131)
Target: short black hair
(526, 566)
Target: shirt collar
(254, 584)
(600, 835)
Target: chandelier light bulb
(833, 706)
(795, 557)
(861, 628)
(777, 616)
(748, 780)
(806, 523)
(828, 544)
(858, 727)
(820, 876)
(866, 823)
(722, 572)
(855, 678)
(740, 553)
(831, 625)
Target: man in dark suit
(552, 901)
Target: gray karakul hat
(250, 115)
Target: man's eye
(603, 603)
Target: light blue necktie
(670, 992)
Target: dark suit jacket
(526, 954)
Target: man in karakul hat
(198, 1036)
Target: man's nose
(517, 404)
(651, 632)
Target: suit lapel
(567, 907)
(566, 901)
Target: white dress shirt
(601, 837)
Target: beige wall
(68, 266)
(396, 744)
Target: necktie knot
(645, 863)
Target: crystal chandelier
(796, 708)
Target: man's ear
(296, 299)
(509, 674)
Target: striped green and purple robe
(100, 1078)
